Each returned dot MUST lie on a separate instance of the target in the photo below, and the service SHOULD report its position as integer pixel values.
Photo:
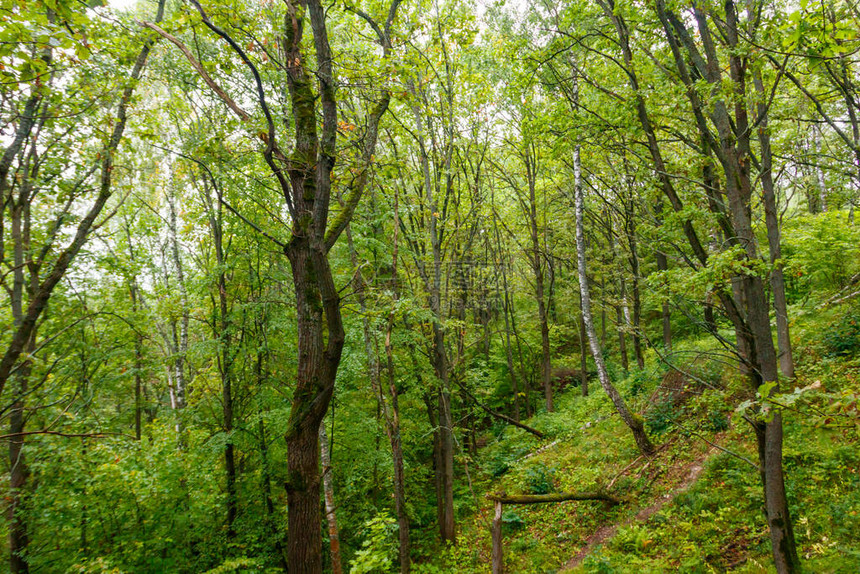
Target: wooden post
(497, 539)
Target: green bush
(379, 547)
(512, 521)
(716, 421)
(539, 479)
(661, 418)
(598, 564)
(638, 381)
(843, 338)
(500, 456)
(633, 539)
(714, 410)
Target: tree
(36, 103)
(633, 422)
(304, 179)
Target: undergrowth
(715, 525)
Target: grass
(717, 524)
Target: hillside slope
(695, 507)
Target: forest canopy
(429, 286)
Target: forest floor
(697, 505)
(692, 471)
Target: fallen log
(505, 498)
(500, 498)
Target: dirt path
(692, 472)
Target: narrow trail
(692, 472)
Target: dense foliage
(591, 246)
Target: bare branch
(243, 115)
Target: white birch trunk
(634, 423)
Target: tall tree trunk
(509, 356)
(136, 302)
(622, 311)
(621, 326)
(445, 421)
(228, 416)
(180, 335)
(84, 517)
(764, 369)
(777, 279)
(819, 175)
(749, 310)
(444, 444)
(502, 270)
(602, 312)
(138, 370)
(24, 286)
(138, 387)
(634, 423)
(511, 313)
(583, 351)
(134, 293)
(537, 255)
(524, 373)
(305, 181)
(665, 311)
(306, 184)
(529, 156)
(397, 456)
(847, 85)
(550, 269)
(223, 332)
(19, 539)
(226, 368)
(314, 387)
(632, 244)
(328, 491)
(404, 546)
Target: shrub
(843, 338)
(712, 405)
(598, 564)
(512, 521)
(638, 380)
(539, 479)
(662, 416)
(379, 547)
(633, 539)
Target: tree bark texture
(498, 556)
(331, 516)
(305, 181)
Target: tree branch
(500, 416)
(243, 115)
